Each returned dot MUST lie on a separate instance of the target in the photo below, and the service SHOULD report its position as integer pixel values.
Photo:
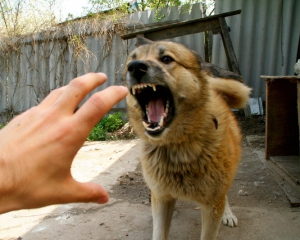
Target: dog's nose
(137, 69)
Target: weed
(108, 124)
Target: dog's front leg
(211, 219)
(162, 212)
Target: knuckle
(56, 91)
(78, 83)
(93, 195)
(65, 131)
(97, 100)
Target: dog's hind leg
(162, 212)
(229, 218)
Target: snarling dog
(190, 141)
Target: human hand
(37, 147)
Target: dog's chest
(165, 175)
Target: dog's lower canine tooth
(145, 125)
(161, 122)
(133, 91)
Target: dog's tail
(235, 93)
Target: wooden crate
(282, 132)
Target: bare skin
(37, 147)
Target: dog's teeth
(147, 113)
(146, 125)
(167, 109)
(133, 91)
(154, 129)
(154, 87)
(161, 122)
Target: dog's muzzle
(155, 99)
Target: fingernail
(103, 199)
(123, 87)
(102, 74)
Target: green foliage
(112, 122)
(97, 134)
(107, 124)
(120, 6)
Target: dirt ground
(257, 200)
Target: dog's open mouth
(157, 104)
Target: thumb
(87, 192)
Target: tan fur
(196, 156)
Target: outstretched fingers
(52, 97)
(77, 89)
(98, 105)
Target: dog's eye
(166, 59)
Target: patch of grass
(107, 124)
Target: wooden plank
(177, 31)
(231, 58)
(282, 132)
(290, 78)
(147, 29)
(286, 172)
(290, 165)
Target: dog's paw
(229, 219)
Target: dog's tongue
(156, 110)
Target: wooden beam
(148, 30)
(177, 31)
(231, 58)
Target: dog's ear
(217, 72)
(142, 41)
(199, 58)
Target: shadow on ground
(256, 199)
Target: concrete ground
(257, 200)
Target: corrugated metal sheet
(193, 41)
(43, 65)
(3, 83)
(265, 38)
